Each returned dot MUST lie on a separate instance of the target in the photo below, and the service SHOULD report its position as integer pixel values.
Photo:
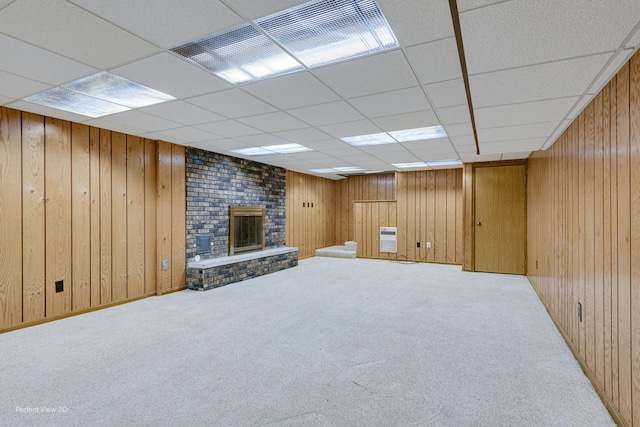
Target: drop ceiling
(532, 67)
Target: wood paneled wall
(425, 206)
(369, 217)
(310, 213)
(430, 210)
(358, 188)
(80, 205)
(172, 211)
(584, 239)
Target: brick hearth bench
(216, 272)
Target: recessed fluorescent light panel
(324, 170)
(405, 135)
(240, 55)
(287, 148)
(112, 88)
(73, 102)
(431, 132)
(451, 162)
(99, 95)
(350, 169)
(339, 169)
(253, 151)
(371, 139)
(269, 150)
(410, 165)
(322, 32)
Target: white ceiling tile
(228, 128)
(325, 114)
(85, 38)
(17, 87)
(516, 156)
(473, 158)
(220, 146)
(328, 145)
(535, 130)
(464, 5)
(361, 127)
(447, 94)
(258, 9)
(344, 151)
(524, 32)
(545, 81)
(453, 115)
(260, 139)
(407, 121)
(273, 122)
(512, 146)
(436, 61)
(435, 145)
(376, 165)
(431, 157)
(140, 120)
(365, 76)
(232, 103)
(189, 134)
(103, 123)
(168, 73)
(462, 140)
(292, 91)
(520, 114)
(418, 21)
(312, 156)
(391, 103)
(45, 111)
(301, 136)
(182, 112)
(166, 23)
(398, 157)
(466, 149)
(39, 64)
(359, 159)
(459, 129)
(4, 100)
(378, 150)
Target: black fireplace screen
(246, 230)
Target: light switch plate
(165, 264)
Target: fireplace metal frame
(235, 211)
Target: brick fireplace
(215, 183)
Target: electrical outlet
(59, 286)
(165, 264)
(428, 245)
(418, 244)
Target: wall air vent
(389, 239)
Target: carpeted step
(336, 252)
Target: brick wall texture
(215, 182)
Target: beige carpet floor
(332, 342)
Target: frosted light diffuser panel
(112, 88)
(407, 135)
(240, 55)
(321, 32)
(73, 102)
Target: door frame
(471, 213)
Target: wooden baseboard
(73, 313)
(613, 411)
(170, 291)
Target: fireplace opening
(246, 229)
